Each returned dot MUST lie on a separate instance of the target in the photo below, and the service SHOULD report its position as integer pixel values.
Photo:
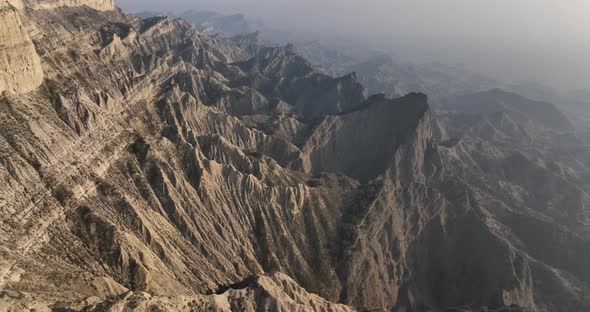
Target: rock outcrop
(20, 66)
(101, 5)
(395, 127)
(276, 292)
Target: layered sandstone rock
(101, 5)
(274, 292)
(20, 66)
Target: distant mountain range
(379, 70)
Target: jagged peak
(352, 76)
(150, 22)
(417, 99)
(340, 143)
(251, 37)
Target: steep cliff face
(394, 127)
(156, 166)
(20, 66)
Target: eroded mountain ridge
(146, 164)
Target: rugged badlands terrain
(145, 166)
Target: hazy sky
(543, 40)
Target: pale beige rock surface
(271, 293)
(101, 5)
(20, 66)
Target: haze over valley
(526, 40)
